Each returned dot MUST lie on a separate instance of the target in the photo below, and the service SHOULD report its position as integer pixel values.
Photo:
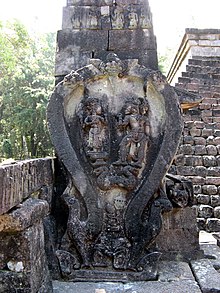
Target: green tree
(25, 86)
(165, 60)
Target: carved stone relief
(113, 128)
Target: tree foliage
(26, 82)
(165, 60)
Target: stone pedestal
(23, 261)
(179, 236)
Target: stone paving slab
(174, 271)
(206, 275)
(207, 270)
(183, 286)
(174, 277)
(211, 252)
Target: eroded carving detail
(112, 241)
(121, 143)
(136, 126)
(179, 191)
(118, 18)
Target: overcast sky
(170, 17)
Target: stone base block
(207, 276)
(179, 236)
(23, 264)
(140, 287)
(23, 261)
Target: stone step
(205, 61)
(173, 276)
(182, 286)
(202, 69)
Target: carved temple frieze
(115, 126)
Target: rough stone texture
(140, 287)
(179, 235)
(217, 237)
(205, 211)
(215, 200)
(213, 225)
(20, 180)
(104, 105)
(206, 275)
(23, 261)
(212, 252)
(202, 199)
(25, 215)
(91, 29)
(172, 271)
(196, 68)
(217, 212)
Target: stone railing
(26, 190)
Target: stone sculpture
(112, 124)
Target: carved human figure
(118, 19)
(144, 21)
(135, 142)
(95, 124)
(75, 20)
(133, 19)
(93, 21)
(112, 241)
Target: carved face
(131, 109)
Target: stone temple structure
(106, 208)
(115, 124)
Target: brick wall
(198, 156)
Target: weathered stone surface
(93, 28)
(217, 237)
(209, 189)
(213, 180)
(209, 161)
(206, 275)
(215, 200)
(96, 103)
(172, 271)
(212, 252)
(213, 225)
(189, 139)
(203, 199)
(205, 211)
(213, 171)
(211, 139)
(195, 132)
(23, 261)
(201, 222)
(186, 149)
(76, 48)
(186, 170)
(217, 212)
(211, 150)
(89, 2)
(200, 150)
(20, 180)
(29, 212)
(179, 233)
(200, 171)
(107, 17)
(191, 160)
(182, 286)
(200, 141)
(197, 189)
(117, 40)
